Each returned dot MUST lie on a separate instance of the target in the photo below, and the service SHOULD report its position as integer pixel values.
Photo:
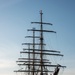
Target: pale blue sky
(15, 18)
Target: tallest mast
(41, 41)
(42, 65)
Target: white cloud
(6, 64)
(7, 67)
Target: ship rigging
(35, 63)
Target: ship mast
(41, 38)
(41, 41)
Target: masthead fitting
(41, 12)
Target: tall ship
(35, 58)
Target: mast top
(41, 12)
